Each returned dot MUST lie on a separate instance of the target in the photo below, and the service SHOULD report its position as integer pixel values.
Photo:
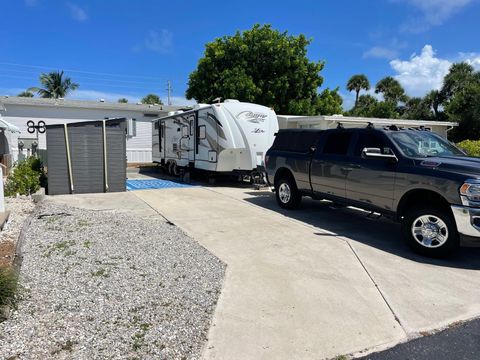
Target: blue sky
(130, 48)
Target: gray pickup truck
(411, 175)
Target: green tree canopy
(391, 90)
(357, 83)
(261, 65)
(25, 93)
(433, 100)
(417, 108)
(366, 105)
(123, 100)
(329, 102)
(152, 99)
(54, 85)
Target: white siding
(139, 147)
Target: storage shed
(87, 157)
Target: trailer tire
(175, 169)
(287, 194)
(170, 168)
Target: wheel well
(282, 172)
(421, 197)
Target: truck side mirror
(376, 153)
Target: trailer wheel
(175, 169)
(170, 167)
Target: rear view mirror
(376, 153)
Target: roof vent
(102, 100)
(139, 103)
(231, 101)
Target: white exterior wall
(139, 147)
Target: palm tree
(459, 75)
(357, 83)
(25, 93)
(434, 99)
(152, 99)
(391, 90)
(54, 85)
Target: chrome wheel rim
(284, 193)
(430, 231)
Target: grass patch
(8, 287)
(100, 273)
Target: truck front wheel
(287, 194)
(430, 231)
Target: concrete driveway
(313, 283)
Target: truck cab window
(370, 140)
(337, 143)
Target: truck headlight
(470, 193)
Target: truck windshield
(424, 144)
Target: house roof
(364, 120)
(82, 104)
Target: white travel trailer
(225, 137)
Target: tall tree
(433, 100)
(260, 65)
(391, 90)
(357, 83)
(458, 77)
(417, 108)
(54, 85)
(25, 93)
(329, 102)
(365, 107)
(123, 100)
(152, 99)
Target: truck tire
(431, 232)
(287, 194)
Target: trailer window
(184, 130)
(202, 132)
(192, 125)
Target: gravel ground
(20, 208)
(105, 285)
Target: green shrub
(471, 147)
(8, 287)
(25, 178)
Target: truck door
(371, 180)
(329, 169)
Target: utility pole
(169, 92)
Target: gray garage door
(88, 164)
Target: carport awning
(5, 125)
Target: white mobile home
(19, 111)
(330, 122)
(225, 137)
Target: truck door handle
(354, 166)
(346, 169)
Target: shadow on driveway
(382, 233)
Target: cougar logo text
(251, 116)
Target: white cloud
(380, 53)
(77, 13)
(160, 42)
(433, 13)
(424, 72)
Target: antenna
(169, 92)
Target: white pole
(2, 197)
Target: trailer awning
(5, 125)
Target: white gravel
(106, 285)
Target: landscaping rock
(107, 285)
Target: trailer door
(206, 141)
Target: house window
(202, 132)
(131, 127)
